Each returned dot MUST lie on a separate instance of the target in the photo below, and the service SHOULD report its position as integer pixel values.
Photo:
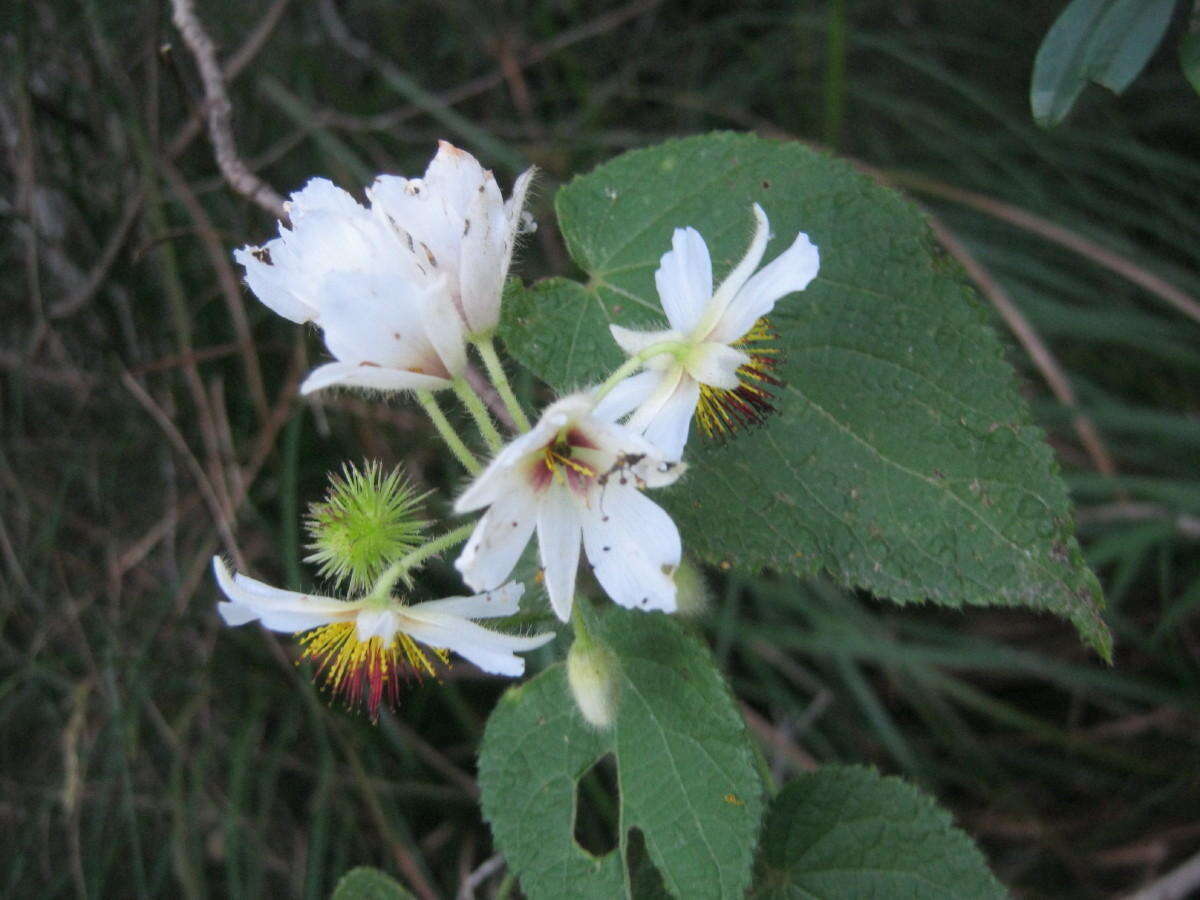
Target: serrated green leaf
(1105, 41)
(365, 883)
(846, 831)
(685, 771)
(902, 459)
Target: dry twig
(216, 101)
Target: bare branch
(218, 108)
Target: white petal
(498, 477)
(456, 175)
(370, 319)
(663, 391)
(278, 609)
(626, 396)
(684, 279)
(791, 271)
(558, 527)
(668, 430)
(483, 260)
(716, 364)
(321, 195)
(443, 326)
(492, 651)
(497, 541)
(273, 286)
(380, 623)
(503, 601)
(427, 225)
(738, 275)
(634, 549)
(362, 375)
(622, 443)
(514, 211)
(634, 342)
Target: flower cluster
(402, 289)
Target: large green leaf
(902, 458)
(845, 831)
(685, 769)
(1105, 41)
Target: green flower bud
(592, 675)
(366, 522)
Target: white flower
(462, 227)
(720, 364)
(576, 477)
(362, 648)
(343, 268)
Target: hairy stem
(634, 363)
(446, 430)
(400, 568)
(483, 420)
(495, 369)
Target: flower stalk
(448, 434)
(495, 369)
(483, 419)
(634, 363)
(399, 569)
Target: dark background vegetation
(146, 397)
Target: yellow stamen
(721, 411)
(365, 672)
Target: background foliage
(145, 400)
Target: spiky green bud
(366, 522)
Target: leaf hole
(597, 801)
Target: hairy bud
(592, 675)
(693, 596)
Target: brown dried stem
(218, 108)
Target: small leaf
(1125, 39)
(1105, 41)
(845, 831)
(1060, 68)
(901, 459)
(1189, 59)
(685, 770)
(365, 883)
